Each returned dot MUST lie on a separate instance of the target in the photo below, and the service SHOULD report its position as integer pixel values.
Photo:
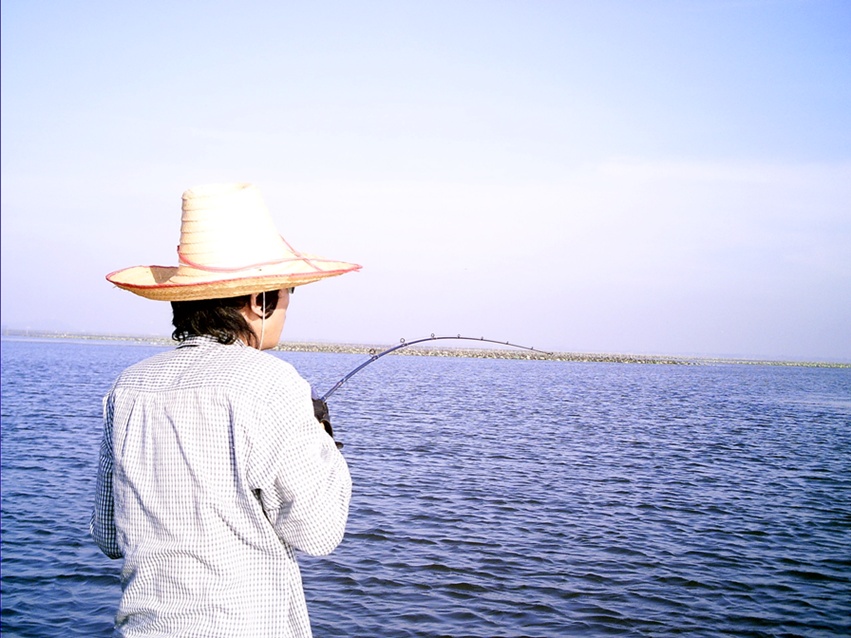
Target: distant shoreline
(431, 351)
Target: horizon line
(420, 350)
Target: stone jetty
(432, 351)
(480, 353)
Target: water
(493, 498)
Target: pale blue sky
(607, 176)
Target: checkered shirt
(213, 471)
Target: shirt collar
(195, 341)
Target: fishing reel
(320, 411)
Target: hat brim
(165, 283)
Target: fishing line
(405, 344)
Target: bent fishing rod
(405, 344)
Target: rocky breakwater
(481, 353)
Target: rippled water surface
(492, 497)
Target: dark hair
(218, 318)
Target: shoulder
(202, 362)
(263, 367)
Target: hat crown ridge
(228, 227)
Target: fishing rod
(405, 344)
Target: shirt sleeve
(102, 525)
(303, 480)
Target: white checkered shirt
(213, 469)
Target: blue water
(492, 497)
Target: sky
(607, 176)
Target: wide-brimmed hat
(229, 246)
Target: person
(214, 468)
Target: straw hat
(228, 247)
